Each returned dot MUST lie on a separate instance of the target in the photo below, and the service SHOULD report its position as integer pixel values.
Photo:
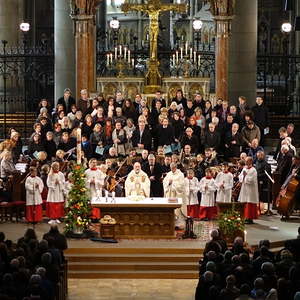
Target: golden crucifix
(153, 8)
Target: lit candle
(113, 194)
(245, 236)
(191, 53)
(129, 56)
(116, 52)
(111, 58)
(195, 57)
(120, 49)
(132, 62)
(186, 48)
(107, 59)
(78, 152)
(181, 53)
(199, 59)
(177, 56)
(125, 52)
(173, 59)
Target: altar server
(55, 197)
(224, 183)
(137, 182)
(94, 179)
(208, 209)
(192, 188)
(249, 191)
(34, 187)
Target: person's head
(57, 127)
(15, 136)
(245, 289)
(232, 109)
(224, 166)
(167, 160)
(49, 136)
(73, 108)
(282, 132)
(267, 268)
(250, 124)
(36, 138)
(208, 152)
(65, 136)
(141, 123)
(224, 105)
(285, 149)
(254, 143)
(208, 172)
(42, 156)
(158, 94)
(190, 173)
(207, 104)
(138, 98)
(67, 93)
(198, 97)
(173, 167)
(93, 163)
(97, 127)
(208, 276)
(137, 167)
(187, 149)
(290, 128)
(33, 171)
(260, 155)
(118, 125)
(112, 151)
(145, 154)
(84, 94)
(165, 122)
(37, 127)
(242, 100)
(158, 104)
(55, 167)
(249, 161)
(151, 159)
(60, 154)
(211, 127)
(189, 131)
(119, 111)
(189, 103)
(214, 234)
(179, 94)
(235, 127)
(259, 101)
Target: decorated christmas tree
(78, 208)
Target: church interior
(150, 149)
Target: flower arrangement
(79, 209)
(231, 223)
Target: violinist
(7, 166)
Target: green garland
(231, 222)
(79, 208)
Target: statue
(222, 7)
(84, 7)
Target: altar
(149, 218)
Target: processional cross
(153, 8)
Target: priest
(137, 182)
(249, 191)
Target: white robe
(224, 194)
(56, 190)
(94, 187)
(33, 193)
(249, 189)
(137, 184)
(192, 188)
(176, 190)
(207, 195)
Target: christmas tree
(79, 208)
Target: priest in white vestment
(224, 183)
(94, 181)
(192, 188)
(249, 191)
(174, 187)
(137, 182)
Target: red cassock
(55, 210)
(34, 213)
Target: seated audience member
(211, 137)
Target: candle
(111, 58)
(132, 62)
(186, 48)
(177, 56)
(195, 57)
(173, 59)
(245, 236)
(191, 53)
(125, 50)
(120, 49)
(129, 56)
(199, 59)
(113, 194)
(78, 152)
(107, 59)
(116, 52)
(181, 53)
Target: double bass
(286, 198)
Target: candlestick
(116, 52)
(181, 53)
(173, 59)
(176, 56)
(78, 150)
(199, 60)
(129, 56)
(111, 58)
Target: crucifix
(153, 8)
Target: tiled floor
(133, 289)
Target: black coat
(165, 135)
(156, 187)
(163, 103)
(33, 147)
(212, 140)
(67, 108)
(178, 128)
(67, 146)
(261, 115)
(145, 139)
(50, 148)
(193, 141)
(233, 150)
(284, 165)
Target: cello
(286, 198)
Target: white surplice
(224, 194)
(34, 187)
(207, 195)
(94, 181)
(249, 189)
(137, 184)
(192, 188)
(56, 186)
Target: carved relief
(222, 7)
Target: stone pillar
(64, 45)
(243, 52)
(222, 12)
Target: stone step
(134, 274)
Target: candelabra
(120, 60)
(185, 61)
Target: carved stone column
(83, 14)
(222, 11)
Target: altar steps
(122, 263)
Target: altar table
(150, 218)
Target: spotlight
(24, 27)
(197, 24)
(114, 23)
(286, 27)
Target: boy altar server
(34, 187)
(208, 209)
(192, 188)
(224, 183)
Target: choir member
(55, 197)
(224, 183)
(67, 100)
(137, 182)
(34, 187)
(141, 137)
(94, 182)
(249, 191)
(208, 209)
(119, 138)
(192, 188)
